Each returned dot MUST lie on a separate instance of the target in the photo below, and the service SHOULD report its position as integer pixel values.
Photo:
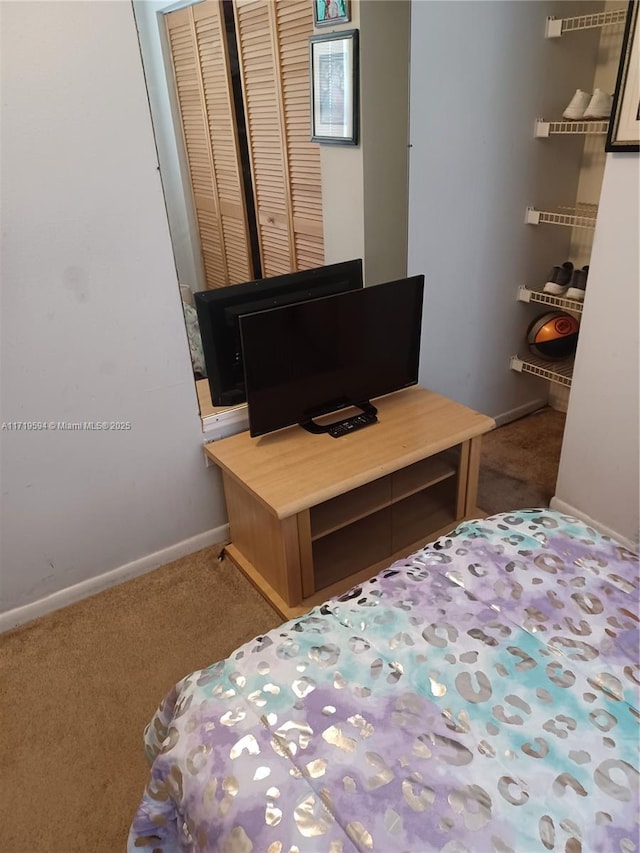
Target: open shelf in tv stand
(311, 517)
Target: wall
(592, 161)
(481, 73)
(92, 328)
(593, 154)
(385, 32)
(343, 184)
(600, 464)
(365, 188)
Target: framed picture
(329, 12)
(334, 87)
(624, 125)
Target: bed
(480, 695)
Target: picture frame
(334, 76)
(624, 124)
(326, 13)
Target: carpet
(80, 685)
(519, 463)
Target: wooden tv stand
(310, 516)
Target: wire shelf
(544, 128)
(526, 294)
(556, 27)
(560, 372)
(581, 216)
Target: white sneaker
(577, 105)
(599, 105)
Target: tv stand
(368, 415)
(311, 518)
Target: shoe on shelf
(577, 105)
(578, 284)
(599, 106)
(559, 279)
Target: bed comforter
(481, 695)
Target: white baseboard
(566, 509)
(91, 586)
(519, 412)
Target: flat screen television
(219, 310)
(322, 355)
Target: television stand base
(309, 519)
(368, 415)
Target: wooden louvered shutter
(295, 25)
(203, 85)
(273, 55)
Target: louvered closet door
(295, 25)
(273, 52)
(203, 85)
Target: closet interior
(577, 217)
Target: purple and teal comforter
(481, 695)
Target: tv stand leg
(472, 476)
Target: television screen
(219, 310)
(322, 355)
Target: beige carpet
(79, 685)
(519, 463)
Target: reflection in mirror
(183, 226)
(240, 176)
(219, 313)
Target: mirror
(320, 226)
(192, 55)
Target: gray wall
(600, 460)
(92, 326)
(385, 27)
(481, 72)
(365, 188)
